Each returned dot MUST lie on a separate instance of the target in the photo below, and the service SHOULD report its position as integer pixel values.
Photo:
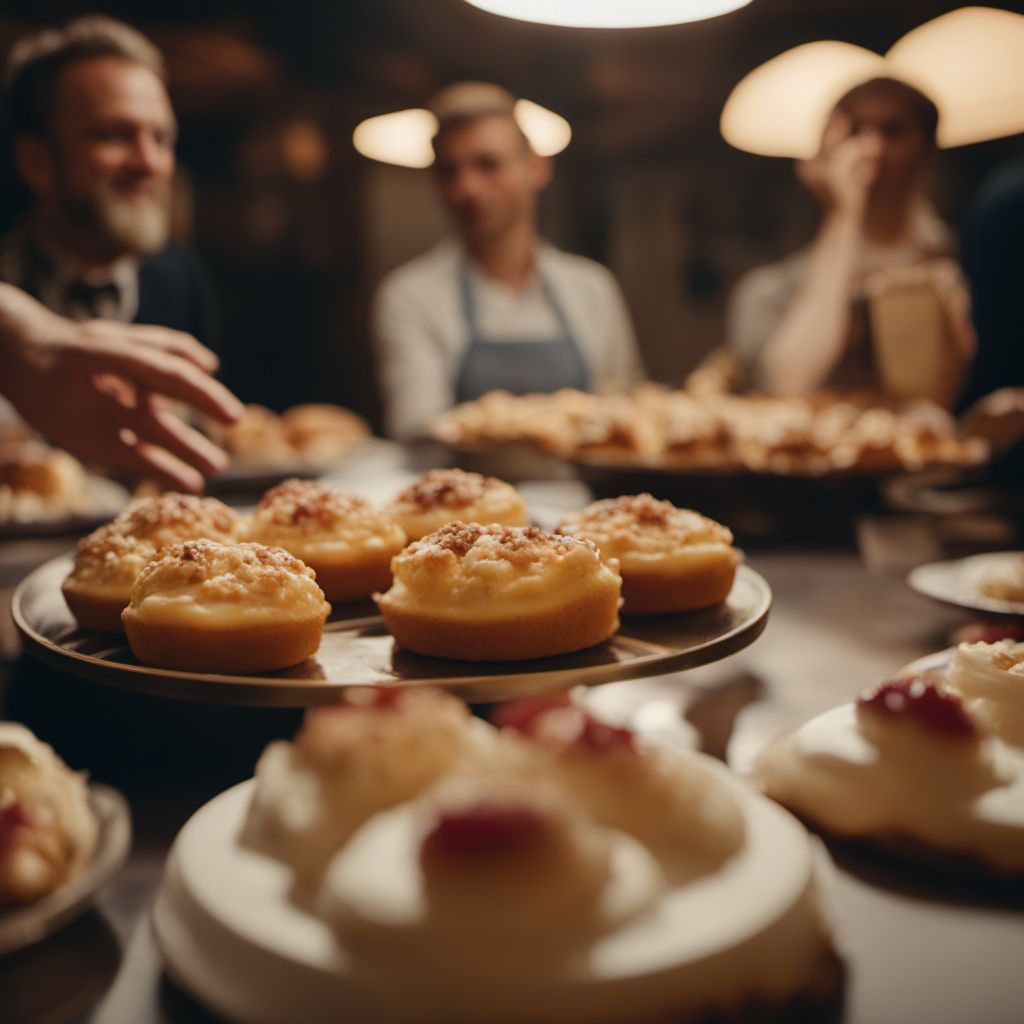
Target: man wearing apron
(496, 307)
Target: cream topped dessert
(375, 749)
(450, 495)
(494, 593)
(671, 559)
(342, 537)
(989, 678)
(110, 558)
(479, 874)
(47, 830)
(907, 765)
(210, 607)
(691, 824)
(488, 870)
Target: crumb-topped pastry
(346, 541)
(208, 607)
(909, 768)
(320, 432)
(500, 593)
(450, 495)
(497, 885)
(109, 559)
(671, 559)
(989, 678)
(350, 760)
(47, 830)
(40, 484)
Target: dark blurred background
(296, 229)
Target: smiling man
(496, 306)
(86, 111)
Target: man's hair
(36, 63)
(465, 102)
(923, 111)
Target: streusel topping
(212, 573)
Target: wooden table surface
(917, 949)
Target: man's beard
(118, 226)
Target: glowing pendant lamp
(609, 13)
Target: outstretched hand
(105, 390)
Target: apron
(519, 366)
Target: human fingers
(163, 373)
(164, 338)
(157, 424)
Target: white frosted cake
(910, 766)
(551, 871)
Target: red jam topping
(484, 831)
(560, 723)
(13, 818)
(919, 700)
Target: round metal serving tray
(357, 650)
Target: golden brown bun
(707, 582)
(96, 611)
(493, 593)
(670, 559)
(110, 558)
(347, 542)
(239, 608)
(451, 495)
(239, 650)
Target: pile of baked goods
(658, 427)
(40, 484)
(47, 830)
(198, 587)
(552, 868)
(930, 768)
(315, 434)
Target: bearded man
(92, 131)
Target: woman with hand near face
(802, 324)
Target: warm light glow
(609, 13)
(781, 107)
(548, 133)
(404, 137)
(401, 138)
(970, 62)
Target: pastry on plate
(908, 768)
(108, 560)
(347, 542)
(450, 495)
(496, 885)
(47, 830)
(40, 484)
(989, 679)
(500, 593)
(671, 559)
(202, 606)
(321, 433)
(374, 749)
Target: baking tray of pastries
(357, 650)
(266, 447)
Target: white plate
(23, 926)
(956, 583)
